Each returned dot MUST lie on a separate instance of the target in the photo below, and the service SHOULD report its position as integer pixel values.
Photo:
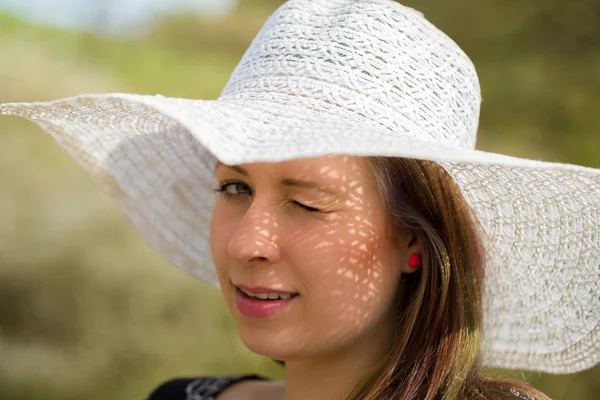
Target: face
(314, 233)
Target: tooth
(249, 294)
(273, 296)
(262, 296)
(285, 296)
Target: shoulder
(200, 388)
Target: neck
(333, 376)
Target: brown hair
(436, 353)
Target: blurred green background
(88, 311)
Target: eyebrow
(236, 168)
(288, 182)
(306, 185)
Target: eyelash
(222, 191)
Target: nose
(256, 238)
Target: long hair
(436, 354)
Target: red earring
(414, 261)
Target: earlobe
(413, 249)
(414, 261)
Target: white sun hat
(352, 77)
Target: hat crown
(382, 63)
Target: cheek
(351, 277)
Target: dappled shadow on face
(337, 252)
(353, 258)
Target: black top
(196, 388)
(210, 388)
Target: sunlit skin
(318, 228)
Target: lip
(260, 289)
(254, 308)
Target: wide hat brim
(541, 221)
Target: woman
(357, 235)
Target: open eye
(232, 189)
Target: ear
(410, 245)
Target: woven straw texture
(362, 78)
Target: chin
(268, 350)
(265, 344)
(274, 345)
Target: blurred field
(87, 310)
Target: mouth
(266, 295)
(256, 303)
